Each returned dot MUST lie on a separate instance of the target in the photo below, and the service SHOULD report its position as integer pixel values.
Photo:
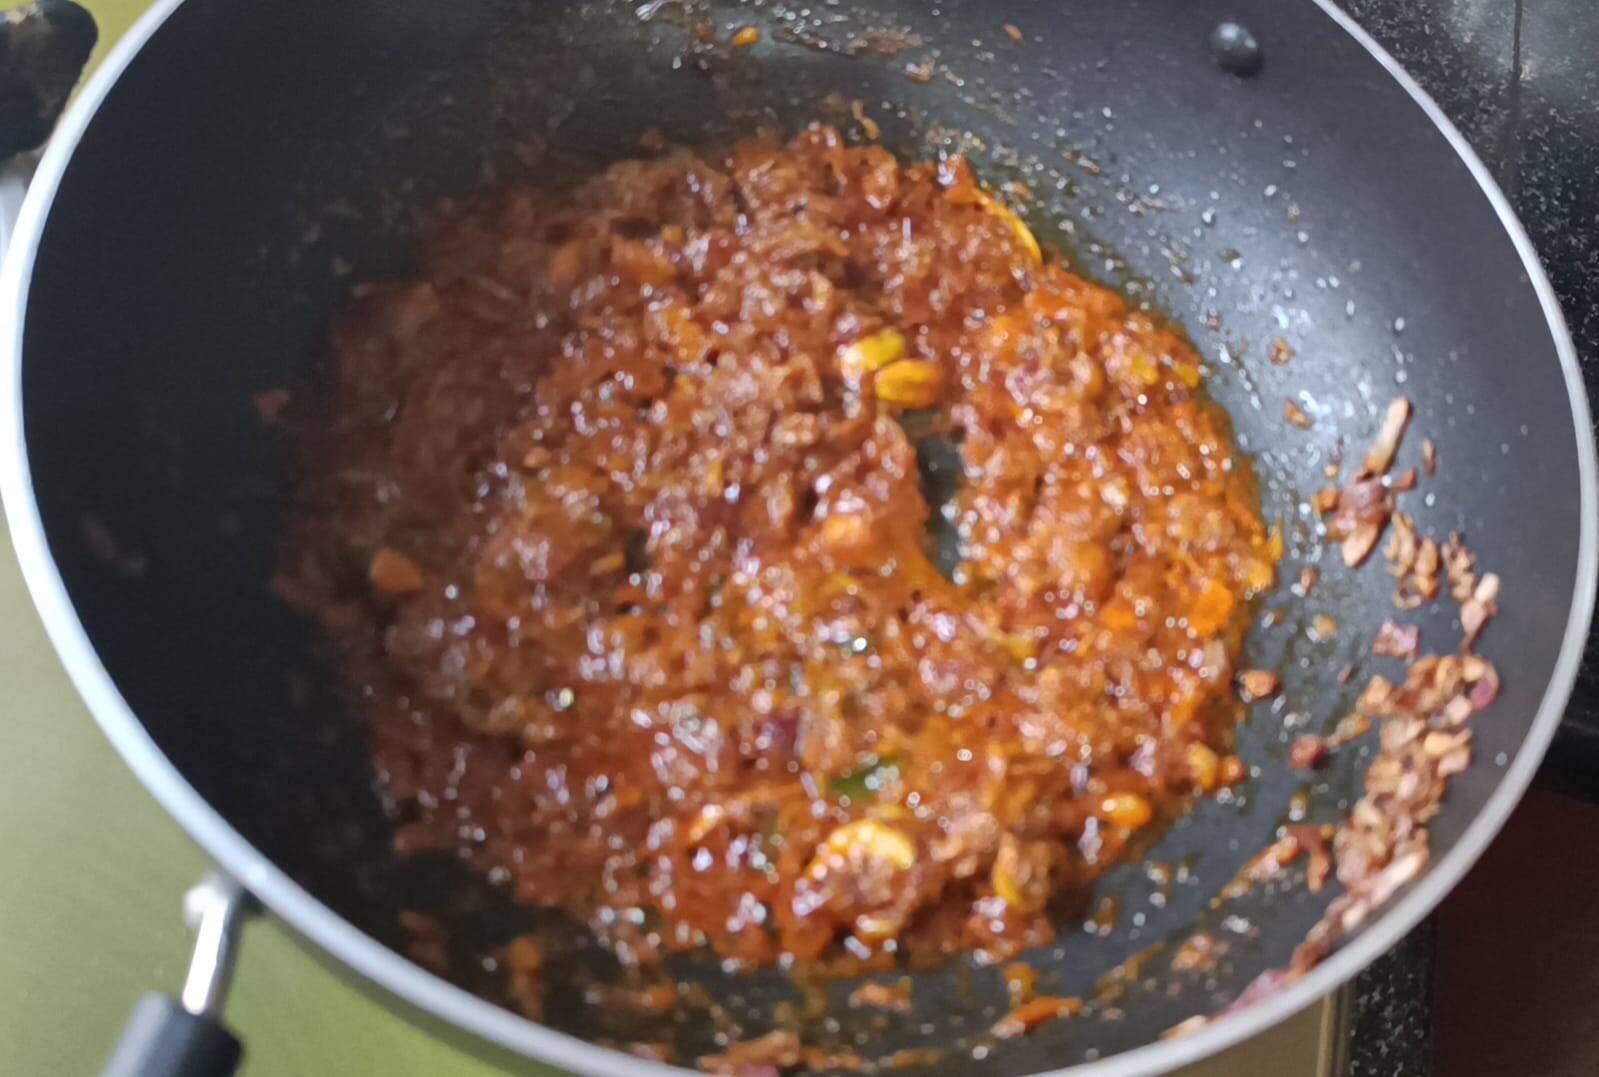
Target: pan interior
(251, 152)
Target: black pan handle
(45, 45)
(162, 1039)
(185, 1036)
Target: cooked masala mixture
(774, 550)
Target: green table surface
(90, 904)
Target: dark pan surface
(188, 261)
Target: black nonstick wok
(234, 166)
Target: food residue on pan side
(1424, 737)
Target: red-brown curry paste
(618, 520)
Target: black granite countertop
(1518, 77)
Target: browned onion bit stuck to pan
(1359, 512)
(1397, 641)
(1198, 953)
(1030, 1015)
(1424, 736)
(1296, 841)
(1381, 454)
(1307, 752)
(1414, 562)
(883, 996)
(1258, 683)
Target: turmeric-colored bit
(845, 532)
(1259, 683)
(1187, 374)
(1127, 810)
(608, 563)
(867, 839)
(1231, 771)
(1021, 873)
(1020, 982)
(1211, 609)
(910, 383)
(1204, 765)
(1260, 575)
(1118, 615)
(393, 573)
(566, 263)
(995, 207)
(1029, 1016)
(872, 353)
